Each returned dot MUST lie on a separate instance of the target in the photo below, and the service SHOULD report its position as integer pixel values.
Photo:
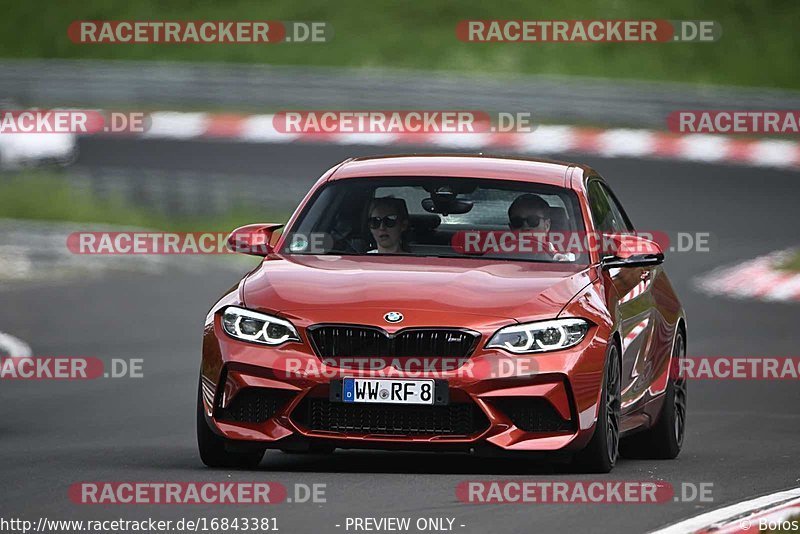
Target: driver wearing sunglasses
(388, 221)
(531, 213)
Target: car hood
(344, 288)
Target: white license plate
(388, 391)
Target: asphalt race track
(742, 435)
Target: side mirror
(629, 250)
(254, 239)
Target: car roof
(458, 165)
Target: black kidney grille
(321, 414)
(336, 341)
(534, 414)
(254, 405)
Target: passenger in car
(388, 222)
(531, 213)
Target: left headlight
(542, 336)
(256, 327)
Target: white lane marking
(734, 511)
(14, 347)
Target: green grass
(758, 47)
(793, 263)
(43, 196)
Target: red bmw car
(447, 303)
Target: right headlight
(541, 336)
(257, 327)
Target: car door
(629, 298)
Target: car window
(604, 218)
(490, 206)
(339, 217)
(606, 212)
(619, 213)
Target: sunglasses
(390, 221)
(532, 220)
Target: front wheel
(664, 440)
(601, 454)
(212, 447)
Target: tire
(664, 440)
(602, 452)
(212, 447)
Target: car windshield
(439, 217)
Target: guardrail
(261, 88)
(267, 88)
(185, 193)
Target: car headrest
(558, 220)
(424, 222)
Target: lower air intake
(461, 419)
(533, 414)
(254, 405)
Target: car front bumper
(279, 397)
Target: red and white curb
(14, 347)
(759, 278)
(742, 517)
(546, 139)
